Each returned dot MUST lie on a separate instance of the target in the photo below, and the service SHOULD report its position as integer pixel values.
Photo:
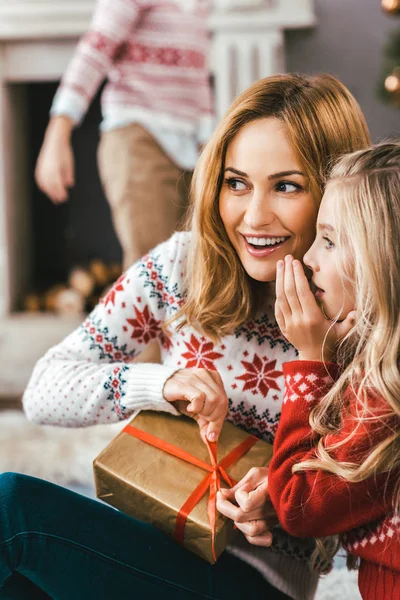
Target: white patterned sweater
(89, 378)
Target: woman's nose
(259, 212)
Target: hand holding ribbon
(212, 481)
(248, 504)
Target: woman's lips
(319, 293)
(263, 250)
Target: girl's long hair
(323, 121)
(365, 189)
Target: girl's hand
(248, 504)
(299, 317)
(200, 394)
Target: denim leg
(72, 547)
(18, 587)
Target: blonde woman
(207, 295)
(336, 467)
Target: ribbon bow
(212, 481)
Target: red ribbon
(212, 481)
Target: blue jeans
(56, 544)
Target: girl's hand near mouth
(300, 318)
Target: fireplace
(79, 231)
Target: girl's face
(265, 202)
(337, 297)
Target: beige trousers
(147, 192)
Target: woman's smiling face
(265, 202)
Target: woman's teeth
(267, 241)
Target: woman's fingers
(253, 478)
(260, 540)
(255, 528)
(207, 399)
(247, 504)
(236, 514)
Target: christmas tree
(389, 89)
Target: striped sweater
(154, 54)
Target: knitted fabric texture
(154, 55)
(318, 503)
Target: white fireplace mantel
(27, 19)
(37, 39)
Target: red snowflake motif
(275, 333)
(117, 287)
(260, 376)
(145, 326)
(201, 355)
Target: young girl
(206, 296)
(336, 464)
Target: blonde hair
(323, 121)
(365, 187)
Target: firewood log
(49, 297)
(32, 302)
(69, 302)
(100, 272)
(115, 271)
(82, 280)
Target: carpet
(64, 456)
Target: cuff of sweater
(145, 383)
(69, 103)
(321, 369)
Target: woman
(206, 295)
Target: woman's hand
(54, 171)
(200, 394)
(248, 504)
(300, 318)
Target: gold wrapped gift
(154, 486)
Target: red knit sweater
(314, 503)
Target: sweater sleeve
(313, 502)
(111, 25)
(89, 377)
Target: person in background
(207, 295)
(157, 110)
(336, 463)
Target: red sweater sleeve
(313, 502)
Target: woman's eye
(329, 244)
(237, 185)
(287, 187)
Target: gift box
(158, 470)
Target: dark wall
(348, 41)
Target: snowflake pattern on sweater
(93, 366)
